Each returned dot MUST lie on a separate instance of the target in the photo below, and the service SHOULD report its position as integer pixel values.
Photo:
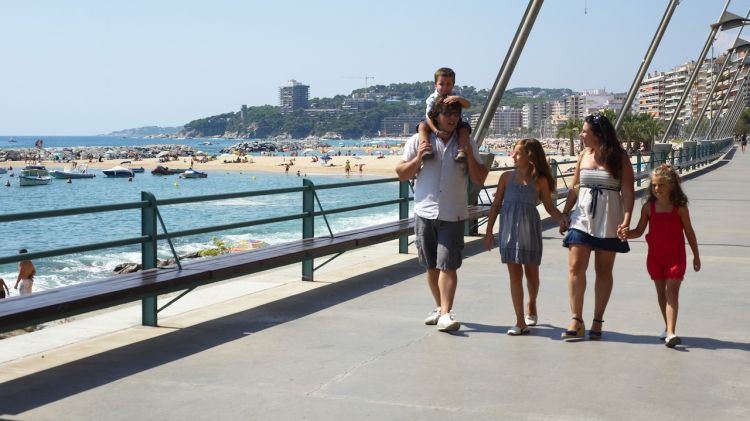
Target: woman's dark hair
(611, 149)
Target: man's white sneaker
(432, 317)
(447, 323)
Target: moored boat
(66, 173)
(118, 171)
(191, 173)
(162, 170)
(34, 175)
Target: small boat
(118, 171)
(162, 170)
(71, 173)
(137, 169)
(191, 173)
(11, 140)
(34, 175)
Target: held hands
(623, 231)
(564, 223)
(489, 239)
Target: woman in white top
(601, 202)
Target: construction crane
(366, 78)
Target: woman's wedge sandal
(579, 332)
(593, 334)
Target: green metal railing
(692, 157)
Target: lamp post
(726, 21)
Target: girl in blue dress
(520, 232)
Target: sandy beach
(370, 165)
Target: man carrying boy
(440, 204)
(445, 81)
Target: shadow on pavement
(41, 388)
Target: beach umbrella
(162, 153)
(308, 150)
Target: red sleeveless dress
(666, 245)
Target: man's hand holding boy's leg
(424, 137)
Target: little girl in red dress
(666, 213)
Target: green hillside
(391, 100)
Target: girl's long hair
(677, 196)
(537, 161)
(611, 149)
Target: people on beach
(599, 205)
(520, 233)
(347, 167)
(666, 215)
(4, 291)
(440, 205)
(445, 80)
(26, 272)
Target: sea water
(50, 233)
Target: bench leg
(148, 312)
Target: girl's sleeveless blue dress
(520, 239)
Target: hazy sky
(80, 67)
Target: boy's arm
(457, 98)
(690, 234)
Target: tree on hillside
(571, 129)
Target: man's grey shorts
(440, 244)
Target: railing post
(638, 163)
(148, 255)
(403, 213)
(671, 158)
(680, 159)
(308, 224)
(651, 163)
(555, 168)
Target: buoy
(253, 178)
(176, 184)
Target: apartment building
(293, 96)
(675, 82)
(651, 95)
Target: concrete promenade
(352, 346)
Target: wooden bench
(17, 312)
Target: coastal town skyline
(87, 68)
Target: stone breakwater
(103, 152)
